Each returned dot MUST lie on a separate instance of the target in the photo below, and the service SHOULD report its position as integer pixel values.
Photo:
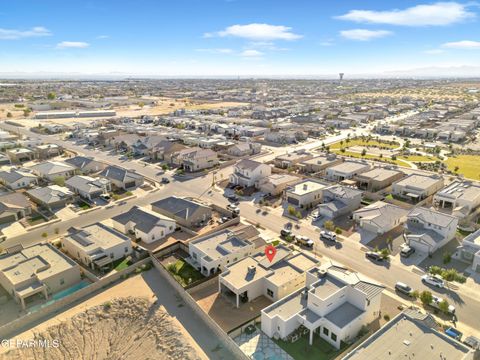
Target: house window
(194, 256)
(368, 302)
(111, 255)
(333, 337)
(126, 248)
(325, 331)
(62, 281)
(270, 293)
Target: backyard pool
(60, 295)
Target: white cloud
(364, 34)
(103, 37)
(72, 45)
(250, 53)
(440, 13)
(257, 32)
(464, 44)
(13, 34)
(216, 51)
(434, 51)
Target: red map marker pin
(270, 252)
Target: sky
(239, 37)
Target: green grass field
(360, 142)
(184, 273)
(356, 155)
(468, 165)
(301, 350)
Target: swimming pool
(60, 295)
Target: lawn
(360, 142)
(357, 155)
(119, 265)
(419, 158)
(301, 350)
(184, 273)
(467, 165)
(275, 242)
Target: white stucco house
(380, 217)
(334, 304)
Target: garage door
(7, 219)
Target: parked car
(232, 197)
(472, 342)
(406, 251)
(403, 288)
(316, 217)
(328, 236)
(286, 233)
(371, 255)
(234, 209)
(434, 280)
(436, 304)
(305, 241)
(165, 180)
(454, 333)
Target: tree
(443, 306)
(456, 169)
(141, 104)
(9, 114)
(364, 152)
(385, 253)
(447, 257)
(426, 297)
(60, 181)
(51, 96)
(415, 294)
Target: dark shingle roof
(180, 207)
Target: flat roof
(349, 166)
(41, 260)
(419, 181)
(379, 174)
(96, 236)
(326, 286)
(238, 275)
(407, 338)
(306, 187)
(344, 314)
(288, 306)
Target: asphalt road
(465, 299)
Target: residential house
(335, 304)
(164, 150)
(338, 200)
(147, 225)
(411, 334)
(18, 179)
(346, 170)
(291, 160)
(18, 155)
(417, 187)
(46, 151)
(186, 212)
(377, 179)
(304, 194)
(214, 252)
(51, 170)
(13, 207)
(38, 269)
(428, 230)
(380, 217)
(275, 184)
(462, 197)
(319, 164)
(199, 159)
(87, 187)
(53, 196)
(248, 173)
(244, 149)
(469, 251)
(122, 178)
(96, 246)
(86, 165)
(255, 276)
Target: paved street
(350, 254)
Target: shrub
(386, 317)
(129, 193)
(426, 297)
(107, 305)
(338, 230)
(385, 253)
(44, 234)
(291, 210)
(329, 225)
(447, 257)
(172, 268)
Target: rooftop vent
(305, 186)
(251, 269)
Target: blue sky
(236, 37)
